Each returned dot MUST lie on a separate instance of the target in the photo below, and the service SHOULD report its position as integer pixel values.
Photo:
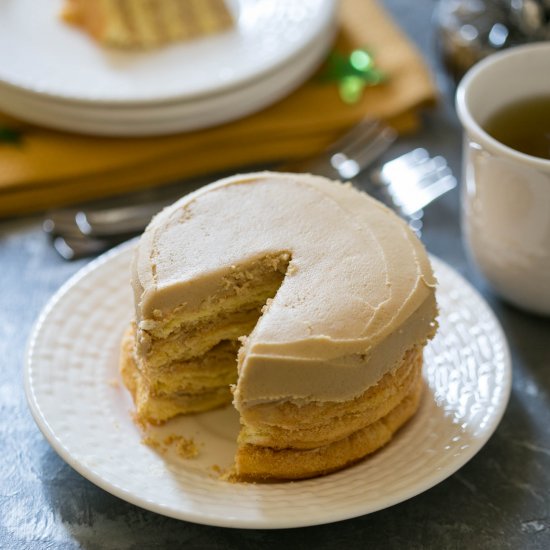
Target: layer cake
(302, 300)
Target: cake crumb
(218, 470)
(229, 475)
(113, 382)
(139, 422)
(153, 443)
(157, 314)
(292, 269)
(225, 474)
(267, 305)
(185, 447)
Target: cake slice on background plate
(147, 23)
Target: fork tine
(414, 180)
(394, 169)
(323, 163)
(429, 179)
(350, 163)
(373, 149)
(350, 166)
(429, 167)
(418, 176)
(422, 197)
(355, 144)
(364, 127)
(366, 140)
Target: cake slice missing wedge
(183, 360)
(307, 298)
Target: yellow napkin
(53, 168)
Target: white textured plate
(76, 398)
(41, 54)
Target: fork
(408, 183)
(414, 180)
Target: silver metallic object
(469, 30)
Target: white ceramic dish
(159, 119)
(79, 403)
(506, 193)
(50, 58)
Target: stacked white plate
(54, 75)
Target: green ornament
(352, 73)
(361, 60)
(11, 136)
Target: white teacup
(505, 193)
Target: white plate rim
(291, 522)
(168, 118)
(324, 21)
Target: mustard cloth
(52, 168)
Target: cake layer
(158, 409)
(155, 408)
(255, 463)
(230, 312)
(217, 367)
(316, 424)
(194, 341)
(238, 290)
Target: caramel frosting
(358, 291)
